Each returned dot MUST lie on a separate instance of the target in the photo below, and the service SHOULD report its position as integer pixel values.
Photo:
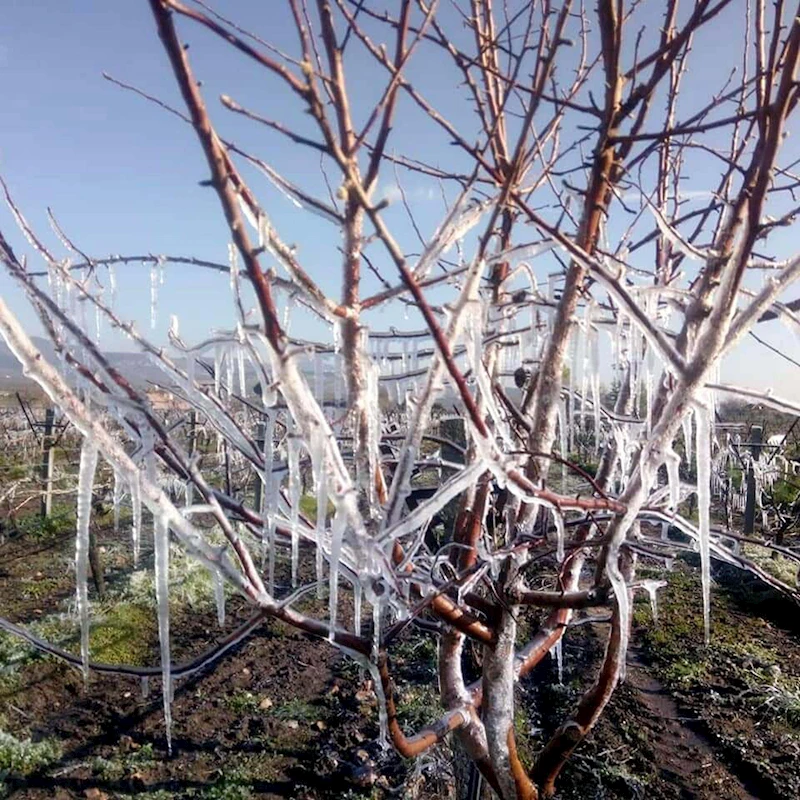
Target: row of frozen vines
(584, 241)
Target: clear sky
(122, 176)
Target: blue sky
(122, 175)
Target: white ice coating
(703, 425)
(461, 218)
(161, 550)
(86, 471)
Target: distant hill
(136, 367)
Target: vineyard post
(46, 469)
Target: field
(283, 715)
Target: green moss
(123, 635)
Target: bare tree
(567, 221)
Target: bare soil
(283, 716)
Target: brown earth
(285, 716)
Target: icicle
(86, 471)
(268, 499)
(571, 399)
(229, 371)
(383, 720)
(673, 463)
(559, 523)
(295, 491)
(337, 533)
(686, 424)
(218, 356)
(136, 508)
(651, 587)
(241, 365)
(620, 587)
(112, 281)
(145, 687)
(337, 338)
(357, 608)
(219, 597)
(585, 364)
(321, 489)
(557, 652)
(161, 547)
(703, 507)
(117, 499)
(377, 613)
(153, 294)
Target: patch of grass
(190, 584)
(124, 764)
(41, 588)
(243, 701)
(296, 709)
(418, 706)
(21, 757)
(784, 569)
(37, 528)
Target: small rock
(95, 794)
(362, 756)
(320, 725)
(364, 776)
(246, 671)
(292, 724)
(265, 704)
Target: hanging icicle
(136, 512)
(161, 548)
(153, 294)
(295, 492)
(219, 597)
(86, 472)
(704, 510)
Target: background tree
(573, 210)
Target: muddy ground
(285, 716)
